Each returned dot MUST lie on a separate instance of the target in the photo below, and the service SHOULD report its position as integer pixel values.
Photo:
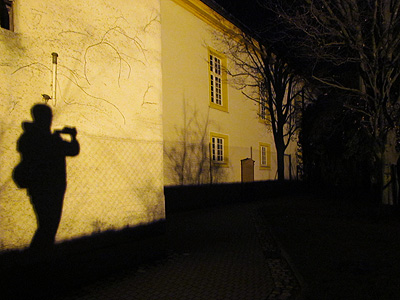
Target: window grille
(216, 80)
(264, 113)
(265, 155)
(217, 149)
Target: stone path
(222, 253)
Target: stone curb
(286, 282)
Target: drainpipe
(54, 82)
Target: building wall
(188, 34)
(109, 88)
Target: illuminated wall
(109, 88)
(189, 119)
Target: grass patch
(341, 249)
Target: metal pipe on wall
(54, 81)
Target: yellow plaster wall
(109, 88)
(187, 33)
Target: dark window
(6, 14)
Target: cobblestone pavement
(213, 254)
(285, 283)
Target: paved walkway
(218, 253)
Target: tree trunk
(380, 168)
(280, 156)
(379, 173)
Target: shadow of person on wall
(42, 171)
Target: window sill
(220, 164)
(219, 107)
(265, 167)
(7, 32)
(264, 121)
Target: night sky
(248, 12)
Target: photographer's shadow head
(42, 116)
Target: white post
(54, 82)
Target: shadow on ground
(342, 248)
(186, 198)
(26, 275)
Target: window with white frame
(217, 80)
(6, 14)
(263, 112)
(219, 148)
(265, 155)
(263, 108)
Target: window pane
(216, 80)
(218, 90)
(263, 156)
(213, 149)
(263, 102)
(217, 149)
(212, 88)
(6, 14)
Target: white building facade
(108, 86)
(210, 126)
(145, 84)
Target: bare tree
(189, 156)
(267, 79)
(361, 35)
